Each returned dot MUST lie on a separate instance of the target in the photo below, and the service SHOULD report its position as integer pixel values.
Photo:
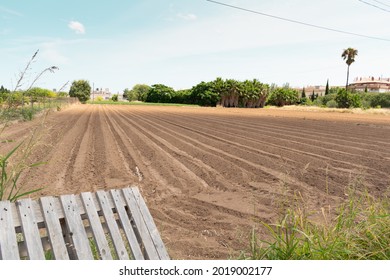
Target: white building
(371, 84)
(103, 93)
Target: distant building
(318, 90)
(371, 84)
(104, 93)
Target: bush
(346, 99)
(283, 96)
(326, 98)
(114, 97)
(331, 104)
(381, 99)
(303, 100)
(366, 104)
(317, 102)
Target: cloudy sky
(117, 44)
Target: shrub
(114, 97)
(317, 102)
(346, 99)
(283, 96)
(331, 104)
(381, 99)
(326, 98)
(366, 104)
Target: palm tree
(349, 56)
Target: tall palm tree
(349, 56)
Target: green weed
(359, 230)
(13, 164)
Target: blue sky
(117, 44)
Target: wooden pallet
(106, 225)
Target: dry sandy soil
(208, 174)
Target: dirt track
(209, 174)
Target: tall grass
(14, 163)
(359, 229)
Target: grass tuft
(358, 230)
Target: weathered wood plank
(96, 225)
(58, 208)
(76, 228)
(8, 244)
(30, 230)
(155, 235)
(140, 224)
(53, 227)
(126, 224)
(112, 225)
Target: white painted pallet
(104, 225)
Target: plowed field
(208, 174)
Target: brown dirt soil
(208, 174)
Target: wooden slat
(112, 226)
(58, 208)
(159, 244)
(30, 230)
(8, 244)
(127, 227)
(53, 227)
(76, 228)
(140, 224)
(96, 225)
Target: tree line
(227, 93)
(13, 99)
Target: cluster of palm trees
(233, 93)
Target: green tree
(4, 94)
(283, 96)
(126, 93)
(303, 95)
(205, 94)
(114, 97)
(4, 90)
(138, 92)
(253, 94)
(160, 93)
(234, 89)
(80, 89)
(349, 56)
(327, 87)
(346, 99)
(303, 99)
(182, 96)
(313, 96)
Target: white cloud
(77, 27)
(187, 16)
